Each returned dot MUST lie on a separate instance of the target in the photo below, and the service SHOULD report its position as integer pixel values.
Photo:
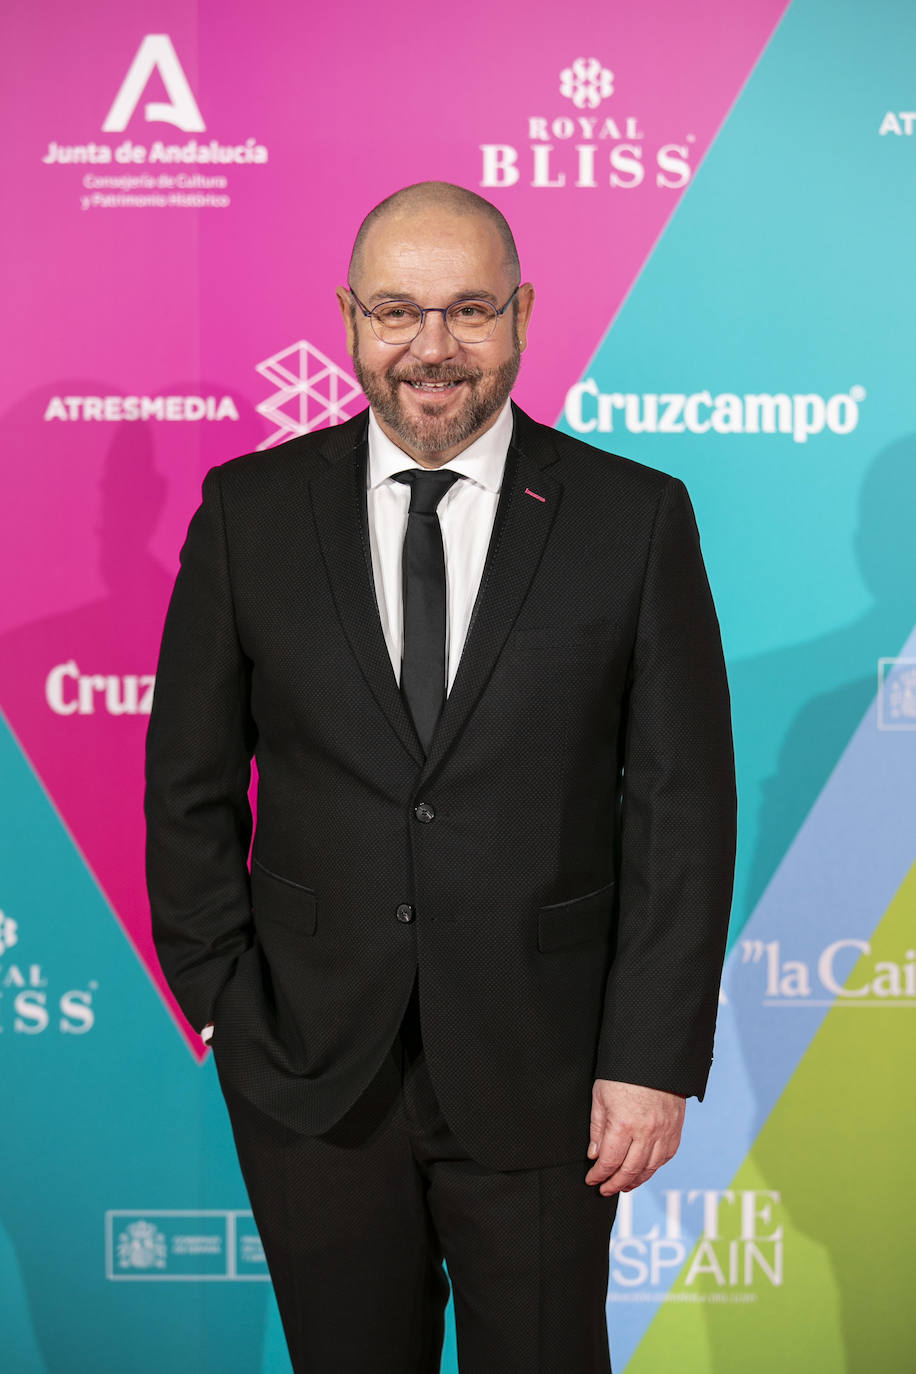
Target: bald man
(461, 994)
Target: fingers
(608, 1148)
(596, 1128)
(634, 1131)
(625, 1162)
(621, 1163)
(637, 1167)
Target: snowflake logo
(9, 933)
(586, 83)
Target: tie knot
(427, 488)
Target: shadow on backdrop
(838, 670)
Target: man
(482, 934)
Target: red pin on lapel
(529, 492)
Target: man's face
(433, 397)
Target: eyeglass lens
(466, 321)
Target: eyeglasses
(399, 322)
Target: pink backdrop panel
(134, 300)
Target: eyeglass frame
(430, 310)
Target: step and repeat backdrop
(716, 205)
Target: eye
(396, 313)
(471, 312)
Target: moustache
(437, 374)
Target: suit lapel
(523, 523)
(529, 500)
(339, 508)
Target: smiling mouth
(431, 388)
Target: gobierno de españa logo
(141, 1245)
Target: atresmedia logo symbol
(312, 392)
(586, 83)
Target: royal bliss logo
(586, 83)
(587, 150)
(30, 1002)
(9, 932)
(143, 183)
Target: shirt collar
(483, 461)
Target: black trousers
(356, 1225)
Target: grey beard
(489, 392)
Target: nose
(434, 344)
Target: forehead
(433, 250)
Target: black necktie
(423, 668)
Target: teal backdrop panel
(786, 271)
(106, 1113)
(763, 356)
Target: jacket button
(424, 812)
(405, 913)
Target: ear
(348, 311)
(525, 306)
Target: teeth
(433, 386)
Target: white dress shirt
(466, 515)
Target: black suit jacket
(570, 865)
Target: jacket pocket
(281, 900)
(578, 921)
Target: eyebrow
(387, 295)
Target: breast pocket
(282, 901)
(581, 920)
